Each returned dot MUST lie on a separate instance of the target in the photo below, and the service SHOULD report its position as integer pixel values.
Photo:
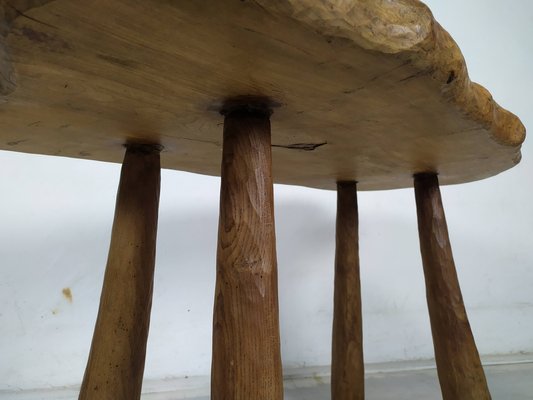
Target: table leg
(460, 371)
(246, 345)
(116, 361)
(347, 368)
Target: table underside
(85, 77)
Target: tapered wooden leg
(460, 372)
(246, 345)
(347, 368)
(116, 361)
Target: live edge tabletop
(371, 91)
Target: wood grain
(116, 361)
(370, 91)
(459, 367)
(9, 12)
(347, 368)
(246, 344)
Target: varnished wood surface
(347, 368)
(459, 368)
(116, 361)
(367, 91)
(246, 344)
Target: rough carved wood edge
(407, 28)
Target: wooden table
(329, 94)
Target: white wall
(56, 214)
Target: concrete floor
(507, 382)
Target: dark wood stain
(246, 343)
(116, 360)
(347, 368)
(459, 367)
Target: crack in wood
(20, 13)
(301, 146)
(413, 76)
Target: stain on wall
(67, 293)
